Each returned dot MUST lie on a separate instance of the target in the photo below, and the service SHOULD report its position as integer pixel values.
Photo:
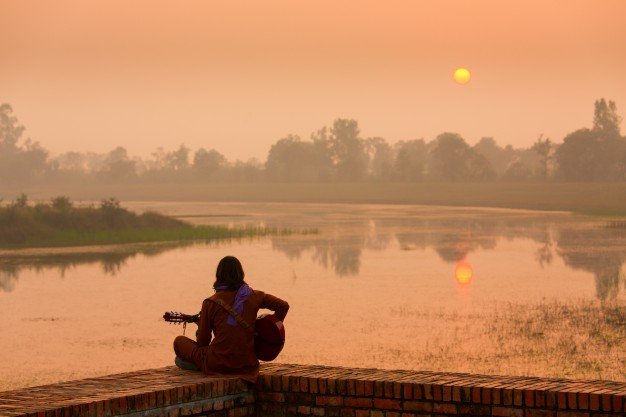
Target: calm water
(379, 286)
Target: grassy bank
(577, 339)
(59, 223)
(604, 199)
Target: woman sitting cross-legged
(231, 350)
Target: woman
(231, 351)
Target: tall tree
(348, 150)
(18, 162)
(410, 160)
(578, 155)
(292, 159)
(448, 157)
(206, 164)
(380, 157)
(543, 148)
(606, 121)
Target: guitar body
(269, 338)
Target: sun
(462, 75)
(463, 272)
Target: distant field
(604, 199)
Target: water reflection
(582, 244)
(463, 272)
(589, 246)
(110, 259)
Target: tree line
(336, 153)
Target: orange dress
(231, 350)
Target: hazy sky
(236, 76)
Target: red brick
(313, 386)
(123, 405)
(572, 414)
(351, 387)
(474, 410)
(376, 413)
(360, 402)
(294, 383)
(540, 399)
(379, 389)
(437, 392)
(427, 391)
(476, 395)
(304, 384)
(318, 411)
(485, 395)
(447, 393)
(407, 391)
(442, 408)
(218, 405)
(606, 402)
(362, 413)
(594, 402)
(397, 391)
(303, 409)
(539, 413)
(392, 414)
(418, 392)
(466, 394)
(107, 407)
(331, 385)
(618, 403)
(277, 382)
(342, 387)
(518, 398)
(99, 409)
(347, 412)
(456, 394)
(387, 404)
(529, 398)
(360, 388)
(421, 406)
(507, 412)
(369, 388)
(334, 401)
(388, 385)
(284, 382)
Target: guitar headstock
(175, 317)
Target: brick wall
(293, 390)
(298, 390)
(165, 392)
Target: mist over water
(381, 286)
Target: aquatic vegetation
(59, 223)
(560, 339)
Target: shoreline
(593, 199)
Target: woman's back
(231, 351)
(232, 348)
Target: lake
(412, 287)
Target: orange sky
(237, 76)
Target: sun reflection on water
(463, 272)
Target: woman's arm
(205, 326)
(278, 306)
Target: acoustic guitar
(269, 332)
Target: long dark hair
(229, 273)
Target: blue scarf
(240, 298)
